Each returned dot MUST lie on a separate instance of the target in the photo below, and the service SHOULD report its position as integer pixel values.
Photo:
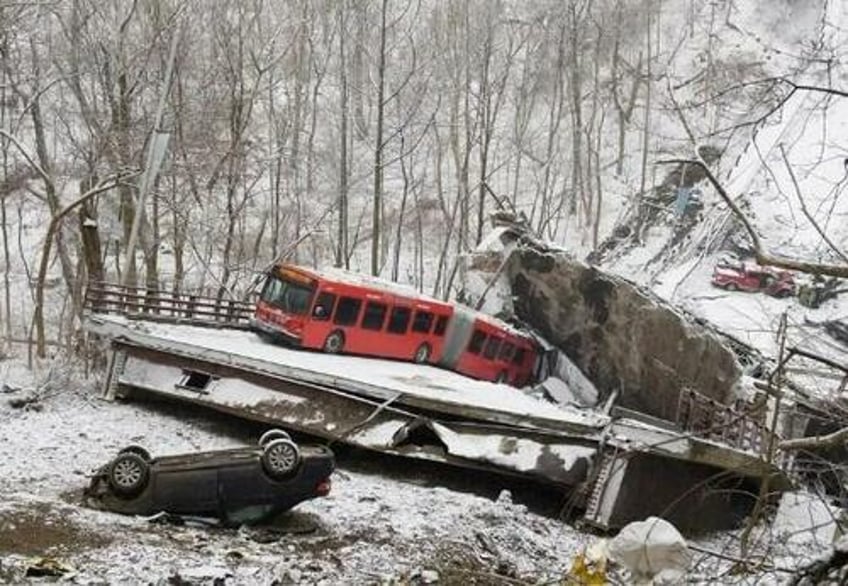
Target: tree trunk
(378, 148)
(342, 244)
(643, 210)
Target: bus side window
(492, 347)
(477, 341)
(324, 306)
(441, 325)
(519, 356)
(506, 351)
(347, 311)
(422, 322)
(374, 316)
(399, 320)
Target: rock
(429, 576)
(621, 337)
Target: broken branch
(816, 442)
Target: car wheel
(134, 449)
(334, 343)
(128, 474)
(271, 435)
(501, 378)
(280, 458)
(422, 354)
(732, 287)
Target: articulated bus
(338, 311)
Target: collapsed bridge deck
(422, 412)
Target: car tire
(502, 377)
(271, 435)
(422, 354)
(334, 343)
(732, 287)
(280, 458)
(134, 449)
(128, 474)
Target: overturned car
(241, 485)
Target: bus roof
(367, 281)
(399, 289)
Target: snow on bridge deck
(405, 383)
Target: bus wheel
(501, 378)
(422, 355)
(334, 342)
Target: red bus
(338, 311)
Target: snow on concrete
(521, 454)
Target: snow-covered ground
(386, 520)
(372, 528)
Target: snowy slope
(796, 214)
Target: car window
(506, 351)
(492, 347)
(478, 338)
(324, 306)
(519, 356)
(441, 325)
(374, 316)
(399, 320)
(423, 322)
(347, 311)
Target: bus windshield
(289, 296)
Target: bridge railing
(709, 419)
(166, 306)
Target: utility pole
(156, 149)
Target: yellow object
(587, 572)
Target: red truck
(751, 277)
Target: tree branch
(761, 256)
(815, 442)
(804, 207)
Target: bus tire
(334, 343)
(422, 354)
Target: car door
(187, 490)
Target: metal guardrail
(167, 306)
(708, 419)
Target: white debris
(653, 551)
(581, 388)
(558, 390)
